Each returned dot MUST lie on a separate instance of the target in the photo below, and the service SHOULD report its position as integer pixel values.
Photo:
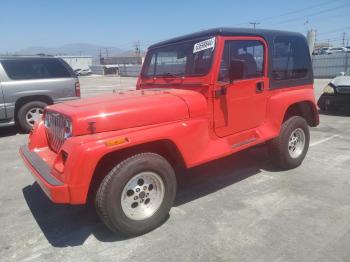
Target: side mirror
(342, 73)
(236, 70)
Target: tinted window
(183, 59)
(36, 68)
(290, 58)
(249, 54)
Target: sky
(50, 23)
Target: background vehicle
(333, 50)
(82, 72)
(200, 97)
(29, 84)
(323, 50)
(336, 94)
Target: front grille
(55, 129)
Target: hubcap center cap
(142, 194)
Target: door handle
(259, 87)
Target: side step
(244, 142)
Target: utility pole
(100, 56)
(343, 41)
(137, 51)
(107, 51)
(254, 24)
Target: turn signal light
(117, 141)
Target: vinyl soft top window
(290, 58)
(249, 52)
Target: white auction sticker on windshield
(206, 44)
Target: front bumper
(55, 189)
(335, 100)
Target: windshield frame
(150, 53)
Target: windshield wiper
(170, 75)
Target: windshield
(347, 73)
(191, 58)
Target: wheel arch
(305, 109)
(165, 147)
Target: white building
(77, 62)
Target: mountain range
(77, 49)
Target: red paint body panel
(57, 194)
(131, 109)
(183, 111)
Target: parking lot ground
(91, 85)
(240, 208)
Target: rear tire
(136, 195)
(29, 114)
(289, 149)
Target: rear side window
(36, 68)
(290, 58)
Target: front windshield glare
(191, 58)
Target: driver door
(240, 103)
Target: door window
(246, 56)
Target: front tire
(136, 195)
(289, 149)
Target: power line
(309, 21)
(295, 11)
(312, 14)
(334, 30)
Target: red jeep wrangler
(199, 97)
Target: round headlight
(67, 128)
(328, 89)
(46, 121)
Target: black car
(336, 95)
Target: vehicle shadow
(9, 131)
(65, 225)
(340, 113)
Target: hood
(341, 81)
(129, 109)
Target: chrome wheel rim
(142, 195)
(296, 143)
(34, 115)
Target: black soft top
(267, 34)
